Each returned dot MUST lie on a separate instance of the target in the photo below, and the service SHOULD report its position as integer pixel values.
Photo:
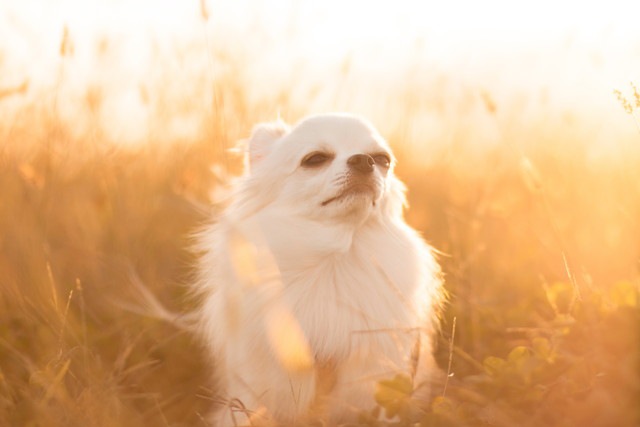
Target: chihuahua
(314, 288)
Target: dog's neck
(307, 242)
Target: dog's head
(327, 167)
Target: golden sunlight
(516, 129)
(110, 56)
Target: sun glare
(516, 129)
(120, 49)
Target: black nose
(362, 163)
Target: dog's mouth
(357, 189)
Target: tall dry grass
(536, 216)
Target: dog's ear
(262, 140)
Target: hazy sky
(577, 52)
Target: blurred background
(516, 126)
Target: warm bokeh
(517, 132)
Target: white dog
(314, 286)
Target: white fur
(309, 301)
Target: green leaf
(394, 395)
(560, 295)
(563, 323)
(494, 365)
(442, 406)
(624, 294)
(519, 355)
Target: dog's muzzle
(360, 183)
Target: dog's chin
(352, 202)
(353, 193)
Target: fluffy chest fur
(358, 299)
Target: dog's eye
(382, 160)
(316, 159)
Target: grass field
(530, 190)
